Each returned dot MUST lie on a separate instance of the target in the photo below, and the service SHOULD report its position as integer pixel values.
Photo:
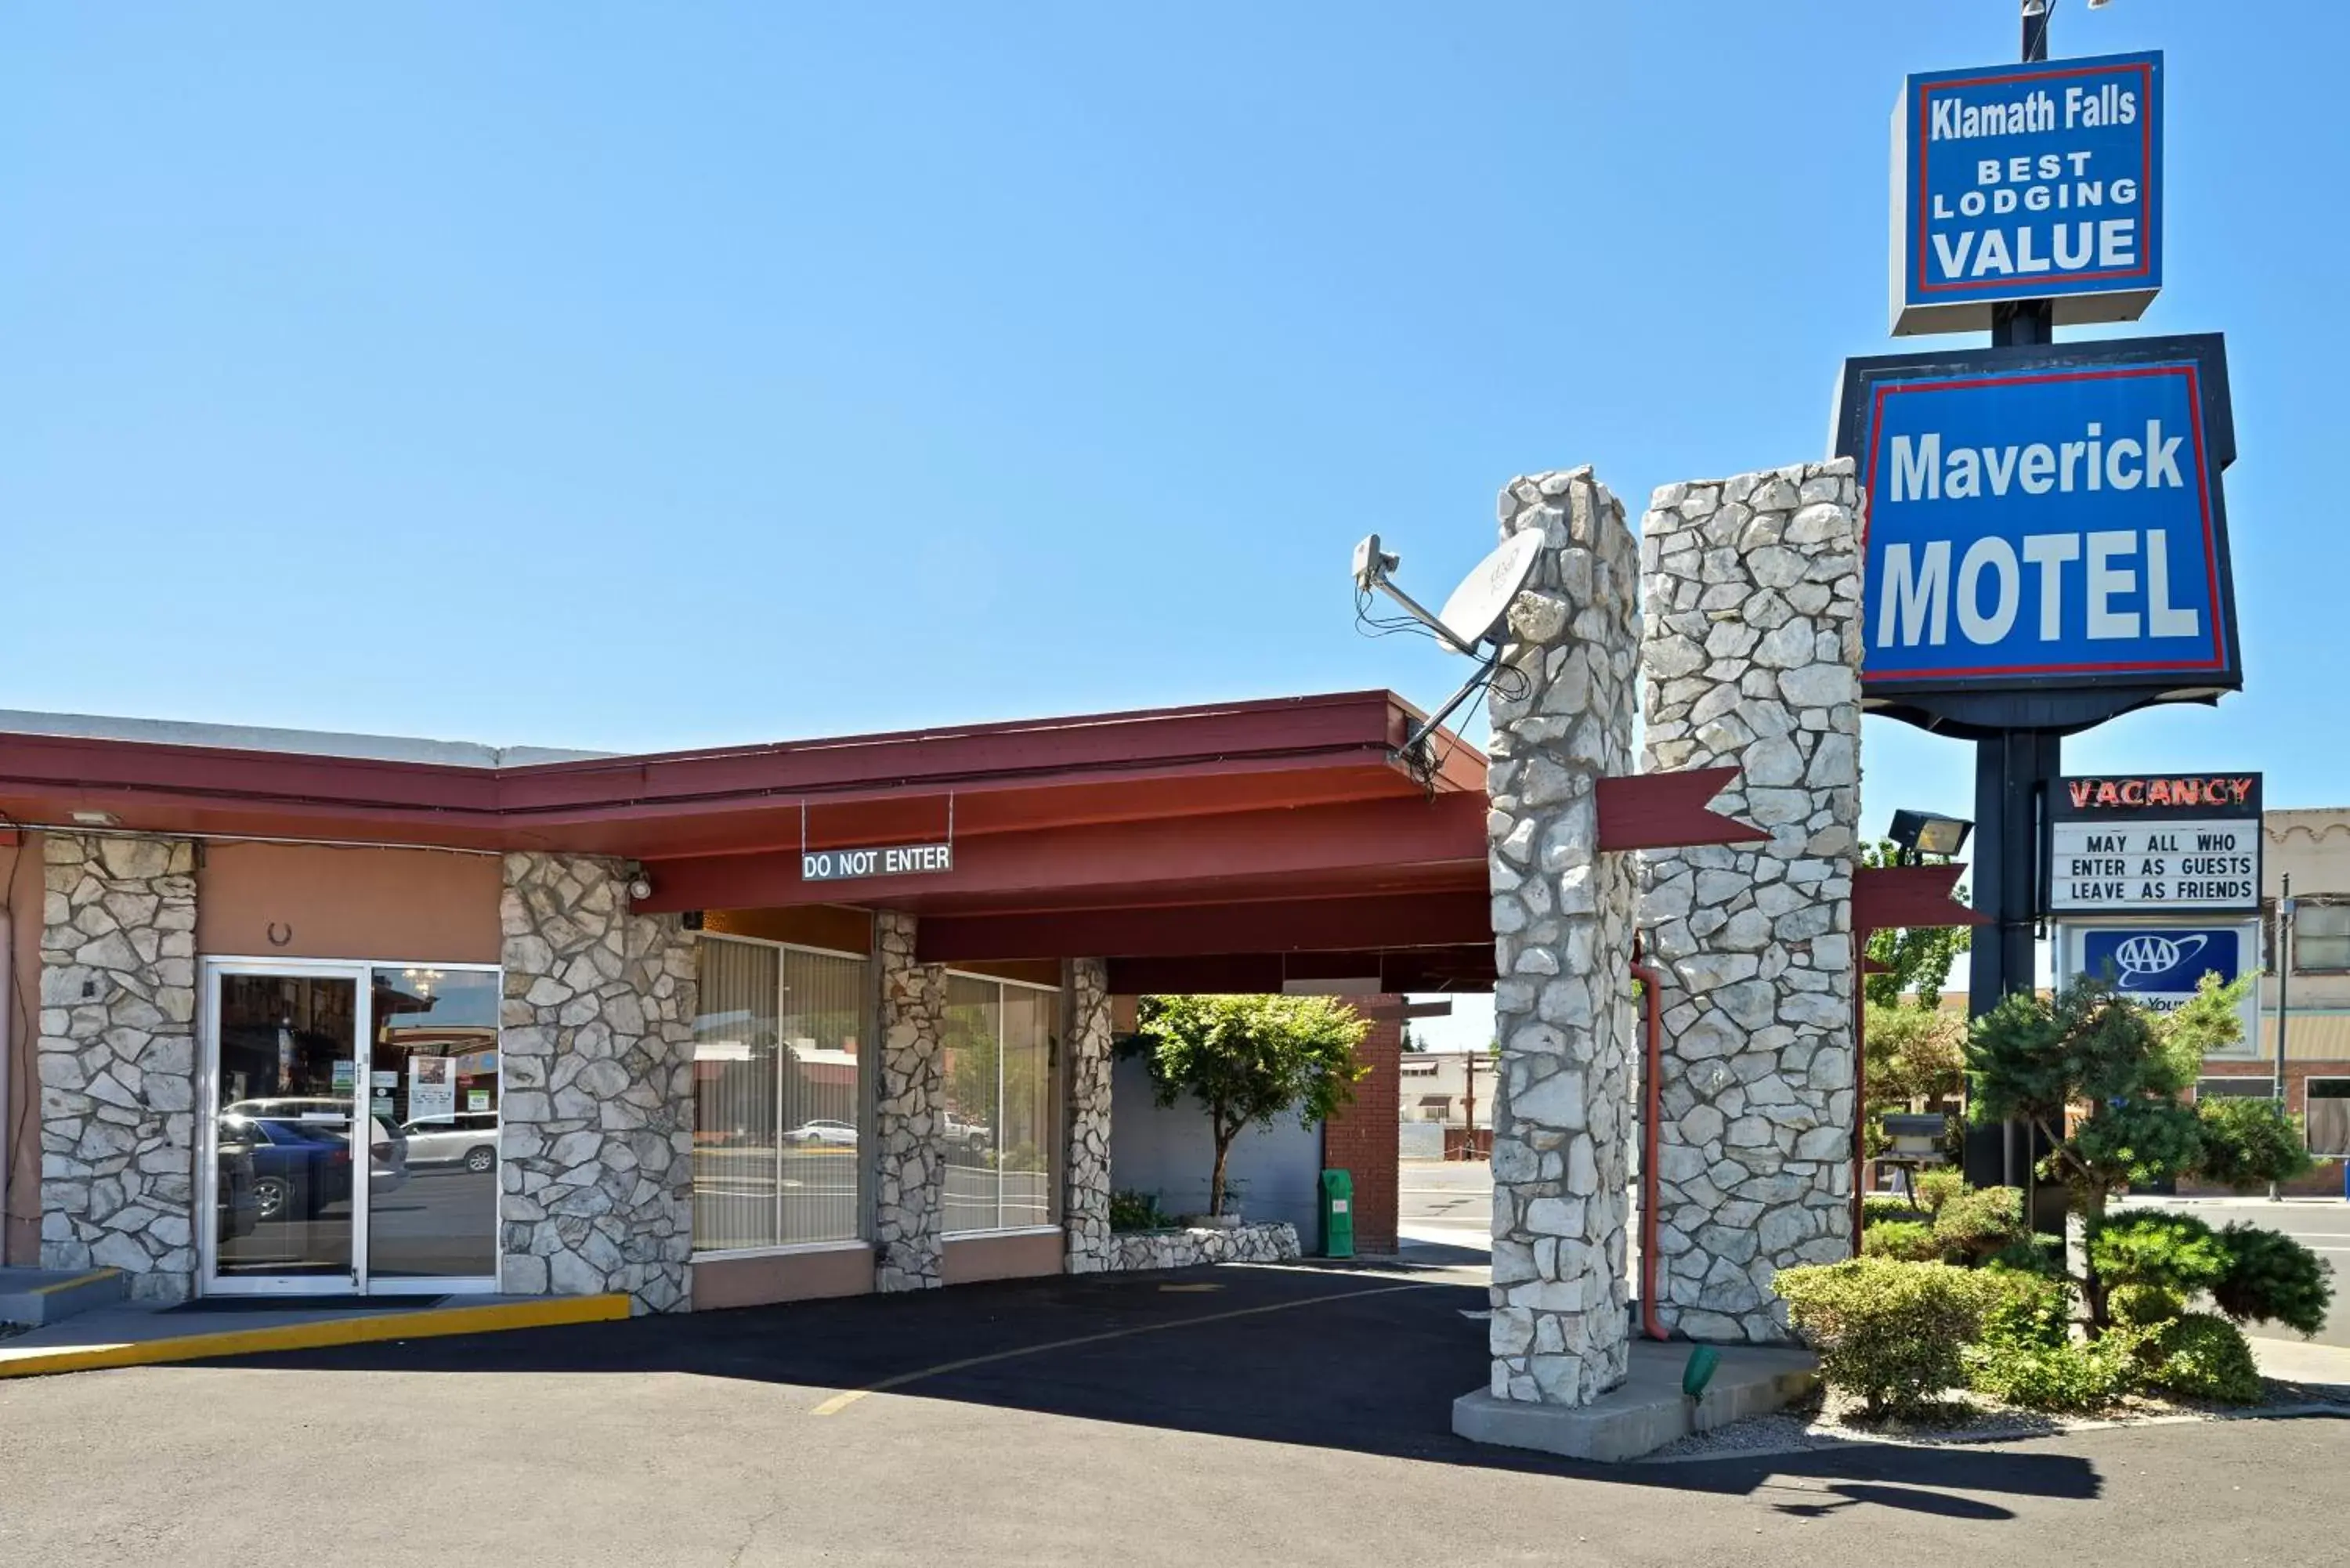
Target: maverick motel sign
(2045, 518)
(2040, 181)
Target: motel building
(290, 1012)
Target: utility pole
(1469, 1101)
(2284, 997)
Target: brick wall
(1361, 1139)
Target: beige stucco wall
(302, 900)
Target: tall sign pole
(2014, 770)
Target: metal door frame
(209, 1281)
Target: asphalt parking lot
(1227, 1416)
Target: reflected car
(822, 1131)
(318, 1117)
(237, 1206)
(469, 1139)
(962, 1136)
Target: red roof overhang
(1223, 836)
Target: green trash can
(1337, 1214)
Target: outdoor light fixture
(1919, 832)
(96, 820)
(640, 889)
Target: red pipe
(1859, 1102)
(1651, 983)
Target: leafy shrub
(2031, 1255)
(2028, 1309)
(1911, 1240)
(1878, 1207)
(2175, 1251)
(1134, 1211)
(2244, 1143)
(2064, 1376)
(1889, 1334)
(1936, 1188)
(2204, 1356)
(1975, 1223)
(2144, 1306)
(2271, 1278)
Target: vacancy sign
(2028, 182)
(2045, 518)
(2151, 844)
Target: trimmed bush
(2144, 1306)
(2029, 1310)
(1889, 1334)
(1909, 1241)
(2271, 1278)
(1975, 1223)
(1936, 1188)
(2176, 1252)
(1879, 1207)
(2204, 1356)
(2031, 1255)
(2068, 1376)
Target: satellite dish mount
(1469, 624)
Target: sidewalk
(145, 1333)
(2297, 1360)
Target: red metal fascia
(1114, 857)
(1437, 920)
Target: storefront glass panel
(780, 1107)
(998, 1124)
(434, 1074)
(282, 1109)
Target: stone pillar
(597, 1045)
(909, 1186)
(1085, 1193)
(117, 1054)
(1753, 661)
(1563, 915)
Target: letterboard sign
(2045, 518)
(2041, 181)
(2152, 844)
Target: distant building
(1438, 1086)
(2314, 848)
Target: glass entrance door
(288, 1162)
(353, 1137)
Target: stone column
(1562, 717)
(596, 1047)
(1085, 1193)
(1753, 661)
(117, 1056)
(910, 1185)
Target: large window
(778, 1095)
(2321, 938)
(998, 1120)
(2328, 1121)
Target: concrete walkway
(144, 1334)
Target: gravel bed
(1826, 1421)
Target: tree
(1250, 1060)
(2244, 1143)
(2033, 1059)
(1912, 1055)
(1916, 958)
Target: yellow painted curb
(429, 1323)
(88, 1279)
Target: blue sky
(653, 376)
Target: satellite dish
(1476, 608)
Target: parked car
(966, 1138)
(469, 1139)
(294, 1139)
(822, 1130)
